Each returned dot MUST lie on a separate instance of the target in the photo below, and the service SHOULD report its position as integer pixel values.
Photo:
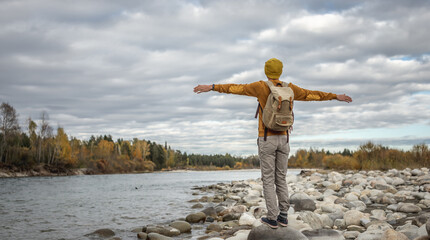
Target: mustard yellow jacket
(261, 91)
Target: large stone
(323, 234)
(247, 219)
(326, 220)
(408, 208)
(312, 219)
(335, 177)
(282, 233)
(229, 202)
(352, 217)
(240, 235)
(197, 205)
(305, 205)
(258, 211)
(298, 196)
(330, 207)
(398, 181)
(351, 234)
(421, 219)
(370, 235)
(334, 187)
(411, 231)
(391, 234)
(417, 172)
(386, 188)
(214, 227)
(157, 236)
(166, 231)
(422, 231)
(229, 224)
(379, 226)
(357, 205)
(378, 214)
(196, 217)
(393, 218)
(103, 233)
(142, 235)
(351, 197)
(356, 228)
(252, 199)
(295, 223)
(182, 226)
(231, 217)
(425, 179)
(339, 224)
(210, 211)
(239, 209)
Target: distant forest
(39, 146)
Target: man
(273, 150)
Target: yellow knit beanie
(273, 68)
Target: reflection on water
(70, 207)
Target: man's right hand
(202, 88)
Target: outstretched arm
(302, 94)
(251, 89)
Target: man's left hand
(202, 88)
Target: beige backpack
(278, 112)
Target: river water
(70, 207)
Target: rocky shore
(372, 205)
(43, 171)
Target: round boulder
(323, 234)
(391, 234)
(210, 211)
(166, 231)
(156, 236)
(197, 205)
(247, 219)
(408, 208)
(214, 227)
(305, 205)
(182, 226)
(142, 235)
(103, 233)
(282, 233)
(352, 217)
(196, 217)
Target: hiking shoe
(283, 221)
(271, 223)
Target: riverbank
(46, 171)
(43, 171)
(324, 205)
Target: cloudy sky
(128, 68)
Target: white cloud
(128, 69)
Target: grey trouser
(273, 154)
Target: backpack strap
(258, 107)
(265, 133)
(256, 115)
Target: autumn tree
(63, 150)
(9, 128)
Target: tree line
(38, 145)
(25, 150)
(368, 156)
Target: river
(70, 207)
